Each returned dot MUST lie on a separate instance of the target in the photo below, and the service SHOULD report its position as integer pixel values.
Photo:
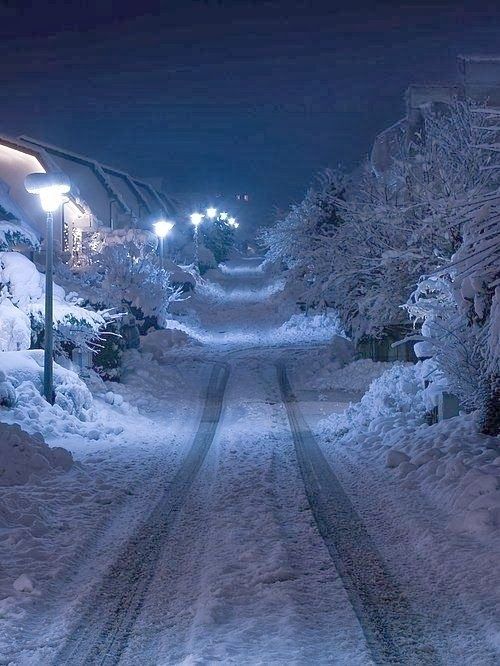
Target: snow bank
(24, 456)
(157, 342)
(315, 328)
(299, 329)
(450, 462)
(334, 368)
(216, 292)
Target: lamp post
(51, 187)
(162, 229)
(196, 220)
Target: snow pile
(332, 371)
(216, 292)
(315, 328)
(450, 462)
(25, 456)
(252, 266)
(299, 329)
(158, 342)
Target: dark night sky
(231, 96)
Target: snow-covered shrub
(7, 392)
(22, 293)
(23, 370)
(14, 231)
(124, 273)
(13, 234)
(15, 326)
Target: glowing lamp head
(163, 228)
(51, 187)
(197, 219)
(211, 212)
(223, 216)
(232, 222)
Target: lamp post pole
(48, 368)
(51, 187)
(162, 248)
(196, 248)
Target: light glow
(51, 199)
(51, 187)
(211, 212)
(163, 228)
(197, 219)
(223, 216)
(232, 222)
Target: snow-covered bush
(23, 371)
(22, 306)
(122, 272)
(13, 234)
(14, 231)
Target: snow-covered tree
(121, 270)
(218, 237)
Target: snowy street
(234, 534)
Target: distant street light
(51, 187)
(232, 223)
(162, 229)
(196, 220)
(223, 216)
(211, 212)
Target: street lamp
(51, 187)
(211, 212)
(162, 229)
(232, 223)
(196, 220)
(223, 216)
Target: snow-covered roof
(119, 186)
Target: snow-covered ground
(243, 576)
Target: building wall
(15, 165)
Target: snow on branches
(432, 219)
(122, 271)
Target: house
(100, 195)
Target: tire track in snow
(102, 633)
(392, 629)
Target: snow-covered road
(245, 546)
